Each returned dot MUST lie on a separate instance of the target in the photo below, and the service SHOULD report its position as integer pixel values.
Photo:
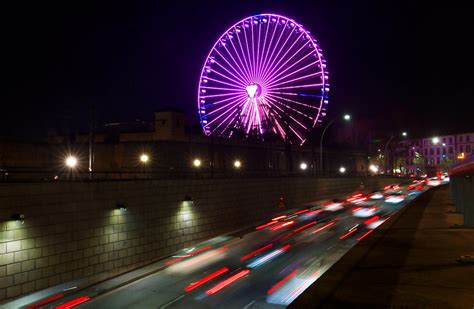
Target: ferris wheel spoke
(248, 53)
(259, 70)
(220, 95)
(253, 48)
(299, 86)
(291, 101)
(269, 46)
(224, 83)
(282, 78)
(257, 59)
(276, 57)
(276, 84)
(213, 104)
(296, 133)
(233, 102)
(288, 107)
(221, 88)
(247, 65)
(274, 66)
(242, 82)
(240, 66)
(236, 103)
(270, 56)
(298, 94)
(295, 120)
(228, 116)
(228, 78)
(276, 72)
(232, 67)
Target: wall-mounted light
(237, 164)
(121, 207)
(342, 170)
(19, 218)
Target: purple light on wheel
(265, 75)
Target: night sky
(396, 65)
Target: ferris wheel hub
(253, 90)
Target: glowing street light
(144, 158)
(342, 170)
(303, 166)
(404, 134)
(347, 117)
(237, 164)
(435, 140)
(373, 168)
(71, 161)
(197, 162)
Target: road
(268, 267)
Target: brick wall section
(72, 230)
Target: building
(437, 153)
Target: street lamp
(346, 117)
(197, 163)
(404, 134)
(237, 164)
(144, 158)
(342, 170)
(303, 166)
(435, 140)
(71, 161)
(373, 168)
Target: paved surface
(410, 262)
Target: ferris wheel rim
(235, 81)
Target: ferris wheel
(265, 75)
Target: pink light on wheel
(265, 75)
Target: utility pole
(91, 140)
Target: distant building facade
(438, 153)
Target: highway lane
(266, 268)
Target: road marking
(249, 304)
(172, 302)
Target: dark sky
(402, 64)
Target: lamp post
(404, 134)
(346, 117)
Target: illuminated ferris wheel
(265, 75)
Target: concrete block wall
(74, 231)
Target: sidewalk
(409, 262)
